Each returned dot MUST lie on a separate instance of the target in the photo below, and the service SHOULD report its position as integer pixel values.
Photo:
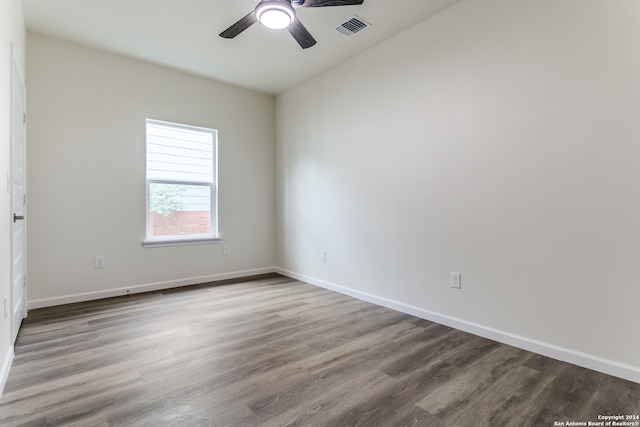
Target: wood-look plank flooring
(273, 351)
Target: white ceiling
(183, 34)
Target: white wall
(498, 139)
(12, 33)
(86, 173)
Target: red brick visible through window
(179, 223)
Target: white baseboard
(609, 367)
(4, 369)
(128, 290)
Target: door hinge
(24, 281)
(24, 118)
(24, 200)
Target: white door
(18, 202)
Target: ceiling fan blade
(239, 26)
(322, 3)
(301, 34)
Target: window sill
(180, 241)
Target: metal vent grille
(352, 26)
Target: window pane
(179, 153)
(179, 210)
(181, 173)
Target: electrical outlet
(98, 261)
(323, 255)
(455, 280)
(226, 250)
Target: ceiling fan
(279, 14)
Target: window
(181, 184)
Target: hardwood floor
(272, 351)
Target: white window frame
(192, 239)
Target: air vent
(352, 26)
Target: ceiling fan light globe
(276, 15)
(275, 19)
